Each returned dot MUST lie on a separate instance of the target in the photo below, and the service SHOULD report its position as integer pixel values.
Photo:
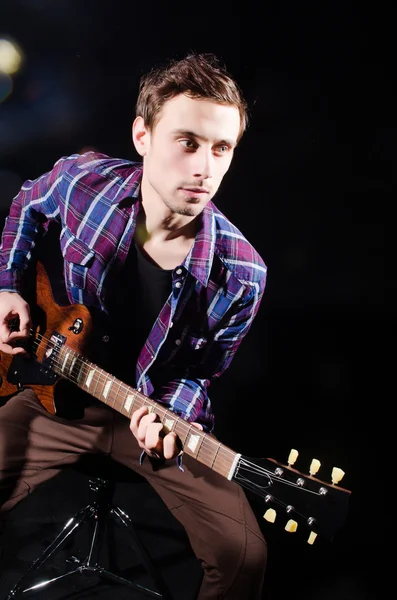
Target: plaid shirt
(216, 290)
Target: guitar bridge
(28, 371)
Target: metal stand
(98, 510)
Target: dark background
(311, 373)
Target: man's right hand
(12, 305)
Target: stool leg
(122, 518)
(70, 527)
(98, 511)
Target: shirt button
(178, 284)
(171, 324)
(178, 271)
(178, 342)
(105, 338)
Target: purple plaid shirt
(216, 290)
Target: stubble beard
(189, 210)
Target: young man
(143, 244)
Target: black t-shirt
(135, 303)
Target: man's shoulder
(234, 249)
(105, 165)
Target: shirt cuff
(11, 281)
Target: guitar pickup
(52, 352)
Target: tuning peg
(291, 526)
(337, 474)
(270, 515)
(314, 466)
(312, 537)
(293, 455)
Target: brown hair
(197, 76)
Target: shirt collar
(130, 187)
(199, 260)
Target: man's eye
(189, 144)
(222, 149)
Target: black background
(308, 187)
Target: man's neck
(166, 241)
(164, 228)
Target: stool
(99, 511)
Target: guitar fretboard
(125, 400)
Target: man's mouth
(195, 190)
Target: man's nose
(204, 164)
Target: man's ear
(140, 136)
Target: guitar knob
(311, 538)
(314, 466)
(337, 474)
(291, 526)
(270, 515)
(293, 455)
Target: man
(143, 244)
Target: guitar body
(51, 322)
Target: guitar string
(254, 488)
(87, 365)
(103, 377)
(253, 468)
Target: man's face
(187, 153)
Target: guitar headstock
(301, 500)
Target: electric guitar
(58, 339)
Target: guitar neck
(125, 400)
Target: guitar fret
(94, 392)
(106, 389)
(187, 434)
(117, 402)
(149, 405)
(201, 443)
(89, 377)
(129, 402)
(65, 361)
(208, 457)
(72, 365)
(215, 455)
(84, 368)
(192, 442)
(99, 385)
(169, 423)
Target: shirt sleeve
(188, 396)
(37, 203)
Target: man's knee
(245, 554)
(255, 558)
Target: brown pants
(222, 529)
